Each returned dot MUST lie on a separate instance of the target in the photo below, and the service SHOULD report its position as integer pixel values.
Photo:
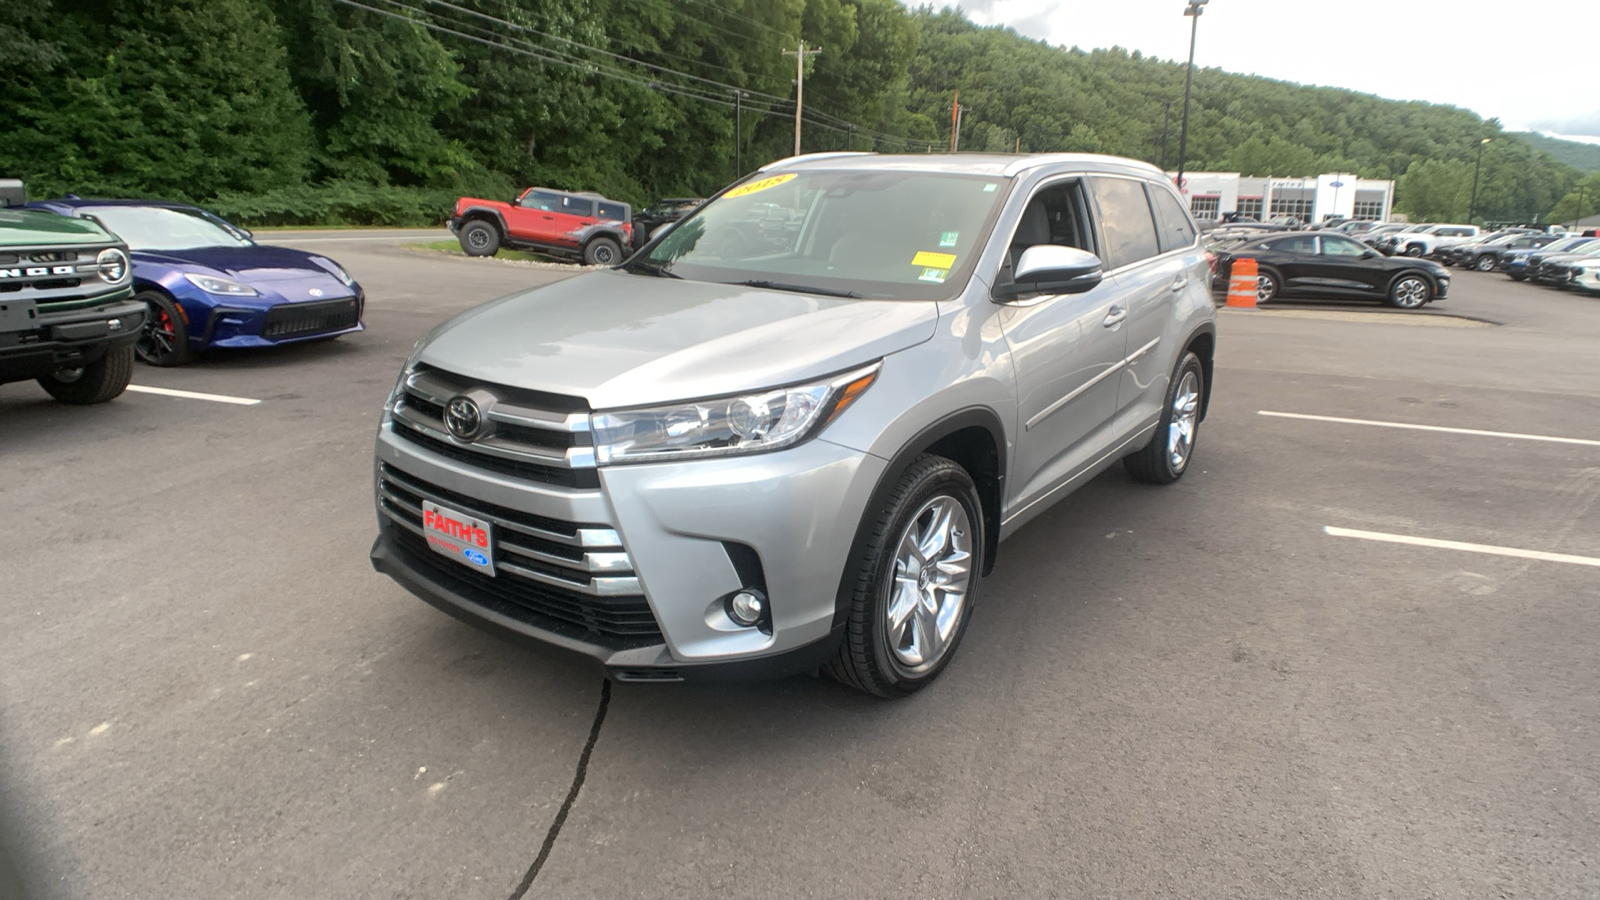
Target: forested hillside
(1581, 156)
(384, 110)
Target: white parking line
(193, 395)
(1489, 549)
(1586, 442)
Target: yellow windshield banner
(756, 187)
(929, 260)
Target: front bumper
(67, 340)
(281, 323)
(1586, 280)
(692, 533)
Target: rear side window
(1126, 220)
(1296, 244)
(577, 206)
(545, 200)
(1177, 231)
(612, 210)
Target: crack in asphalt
(572, 794)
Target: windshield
(160, 228)
(1568, 244)
(880, 234)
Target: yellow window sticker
(934, 260)
(756, 187)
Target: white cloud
(1523, 64)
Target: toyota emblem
(316, 292)
(463, 418)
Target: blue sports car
(208, 284)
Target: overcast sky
(1533, 64)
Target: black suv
(662, 212)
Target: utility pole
(1194, 10)
(1472, 209)
(800, 54)
(738, 134)
(1166, 122)
(955, 123)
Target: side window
(612, 211)
(577, 206)
(1126, 220)
(1297, 244)
(1333, 246)
(1057, 214)
(544, 200)
(1177, 231)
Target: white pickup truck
(1429, 239)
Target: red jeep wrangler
(581, 225)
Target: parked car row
(1570, 263)
(1328, 264)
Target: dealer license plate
(18, 315)
(463, 538)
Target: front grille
(567, 577)
(294, 319)
(582, 479)
(528, 434)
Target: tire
(1268, 284)
(479, 238)
(935, 496)
(602, 251)
(1410, 291)
(1484, 263)
(99, 381)
(1171, 448)
(164, 341)
(1516, 277)
(1414, 251)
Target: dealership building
(1210, 194)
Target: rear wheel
(1484, 263)
(1410, 292)
(164, 341)
(1267, 286)
(915, 583)
(96, 382)
(479, 238)
(1166, 457)
(602, 251)
(1414, 251)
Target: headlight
(337, 270)
(751, 423)
(221, 286)
(113, 265)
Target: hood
(33, 228)
(622, 340)
(255, 263)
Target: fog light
(114, 324)
(747, 607)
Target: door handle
(1115, 317)
(1180, 284)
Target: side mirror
(1053, 269)
(1370, 254)
(246, 234)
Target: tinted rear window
(1125, 217)
(577, 206)
(610, 210)
(1176, 230)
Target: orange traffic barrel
(1242, 284)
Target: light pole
(1472, 210)
(1166, 120)
(1579, 218)
(1193, 10)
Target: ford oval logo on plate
(316, 292)
(478, 559)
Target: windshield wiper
(799, 289)
(649, 268)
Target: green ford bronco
(67, 314)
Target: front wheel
(1484, 264)
(479, 238)
(1166, 457)
(1410, 292)
(1414, 251)
(97, 382)
(915, 583)
(1517, 276)
(164, 341)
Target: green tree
(1581, 202)
(1434, 190)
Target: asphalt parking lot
(1263, 681)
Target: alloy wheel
(1185, 415)
(1410, 293)
(932, 579)
(157, 338)
(1266, 288)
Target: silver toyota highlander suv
(792, 430)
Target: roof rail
(1040, 159)
(835, 154)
